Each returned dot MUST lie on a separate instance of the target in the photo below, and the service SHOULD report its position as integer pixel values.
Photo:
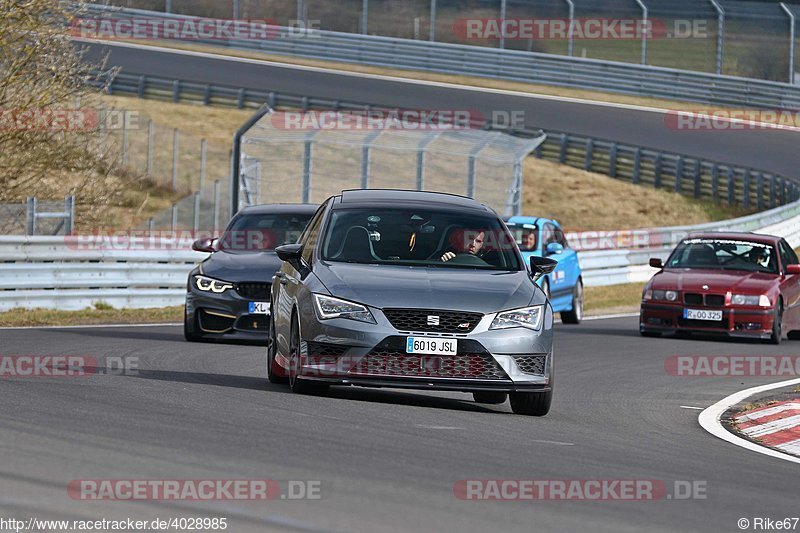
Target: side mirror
(655, 262)
(792, 269)
(204, 245)
(541, 266)
(290, 253)
(554, 248)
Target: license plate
(702, 314)
(430, 346)
(259, 308)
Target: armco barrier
(513, 65)
(63, 273)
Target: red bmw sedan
(734, 284)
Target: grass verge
(100, 315)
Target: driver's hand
(448, 256)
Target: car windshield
(261, 232)
(420, 238)
(525, 235)
(724, 254)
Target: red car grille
(387, 362)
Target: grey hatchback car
(415, 290)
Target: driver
(758, 256)
(471, 243)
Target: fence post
(679, 174)
(202, 163)
(69, 208)
(432, 30)
(697, 175)
(216, 205)
(637, 165)
(235, 9)
(366, 149)
(571, 31)
(587, 165)
(151, 226)
(612, 161)
(720, 34)
(175, 148)
(30, 216)
(644, 33)
(124, 142)
(502, 24)
(196, 212)
(150, 134)
(792, 34)
(306, 194)
(174, 217)
(168, 6)
(364, 16)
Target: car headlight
(526, 317)
(211, 285)
(329, 307)
(751, 299)
(668, 296)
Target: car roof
(735, 236)
(529, 220)
(265, 209)
(403, 198)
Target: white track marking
(455, 86)
(710, 420)
(691, 407)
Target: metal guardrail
(700, 178)
(512, 65)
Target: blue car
(543, 237)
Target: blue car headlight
(329, 307)
(526, 317)
(206, 284)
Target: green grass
(101, 314)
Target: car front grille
(321, 349)
(253, 323)
(711, 300)
(432, 320)
(398, 363)
(254, 290)
(214, 322)
(531, 364)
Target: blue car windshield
(447, 239)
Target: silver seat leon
(415, 290)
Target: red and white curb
(711, 420)
(777, 425)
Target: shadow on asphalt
(146, 334)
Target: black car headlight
(526, 317)
(206, 284)
(329, 307)
(664, 296)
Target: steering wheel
(466, 259)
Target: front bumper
(346, 352)
(225, 316)
(746, 322)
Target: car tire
(273, 372)
(297, 384)
(188, 334)
(493, 398)
(531, 403)
(777, 325)
(576, 315)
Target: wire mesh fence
(38, 217)
(736, 37)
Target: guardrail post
(176, 91)
(140, 88)
(772, 192)
(760, 193)
(175, 148)
(637, 165)
(587, 165)
(240, 99)
(792, 34)
(30, 216)
(679, 174)
(612, 160)
(562, 155)
(731, 186)
(150, 133)
(203, 146)
(432, 29)
(196, 212)
(715, 182)
(720, 34)
(69, 209)
(216, 205)
(271, 100)
(657, 170)
(697, 174)
(207, 94)
(746, 190)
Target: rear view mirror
(554, 248)
(204, 245)
(289, 252)
(792, 269)
(541, 266)
(655, 262)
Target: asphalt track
(770, 150)
(387, 460)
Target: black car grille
(254, 290)
(321, 349)
(531, 364)
(212, 322)
(398, 363)
(445, 321)
(711, 300)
